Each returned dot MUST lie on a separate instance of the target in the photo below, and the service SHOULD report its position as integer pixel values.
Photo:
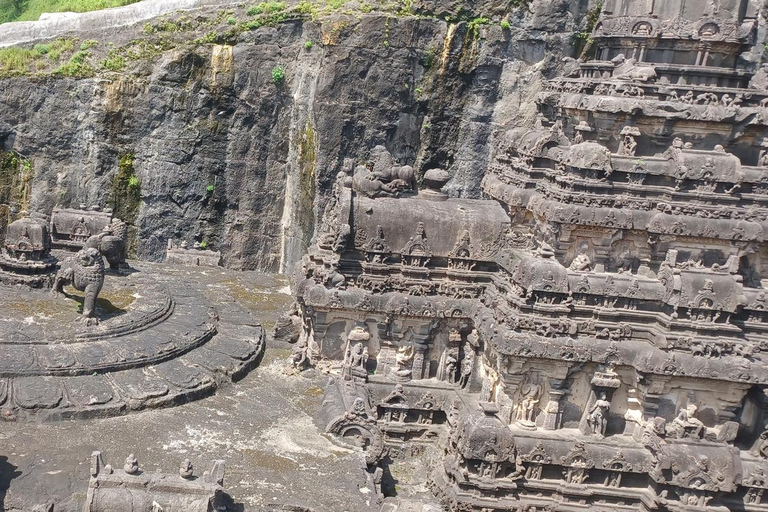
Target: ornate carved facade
(604, 306)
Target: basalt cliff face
(225, 153)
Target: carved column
(633, 418)
(652, 391)
(553, 410)
(511, 377)
(418, 360)
(421, 343)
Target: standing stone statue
(598, 415)
(85, 272)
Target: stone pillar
(634, 416)
(553, 414)
(553, 410)
(650, 408)
(418, 361)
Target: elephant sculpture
(85, 272)
(112, 243)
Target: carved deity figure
(451, 364)
(577, 474)
(467, 364)
(299, 354)
(404, 361)
(80, 231)
(357, 356)
(581, 263)
(525, 409)
(686, 425)
(628, 146)
(598, 415)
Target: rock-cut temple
(592, 334)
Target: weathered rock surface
(226, 156)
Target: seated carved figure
(85, 272)
(686, 425)
(630, 69)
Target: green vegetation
(266, 8)
(504, 25)
(203, 244)
(473, 26)
(30, 10)
(16, 61)
(583, 39)
(126, 190)
(278, 74)
(429, 57)
(55, 49)
(16, 173)
(88, 44)
(210, 189)
(77, 66)
(267, 13)
(114, 61)
(308, 45)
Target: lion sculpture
(85, 272)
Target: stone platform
(161, 341)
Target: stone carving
(526, 407)
(26, 255)
(686, 425)
(598, 415)
(84, 272)
(112, 243)
(131, 489)
(627, 265)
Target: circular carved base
(159, 342)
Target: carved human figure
(686, 425)
(763, 159)
(451, 363)
(576, 474)
(357, 356)
(628, 146)
(581, 263)
(525, 410)
(299, 354)
(404, 360)
(598, 415)
(467, 364)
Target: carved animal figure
(112, 243)
(85, 272)
(630, 69)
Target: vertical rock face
(226, 154)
